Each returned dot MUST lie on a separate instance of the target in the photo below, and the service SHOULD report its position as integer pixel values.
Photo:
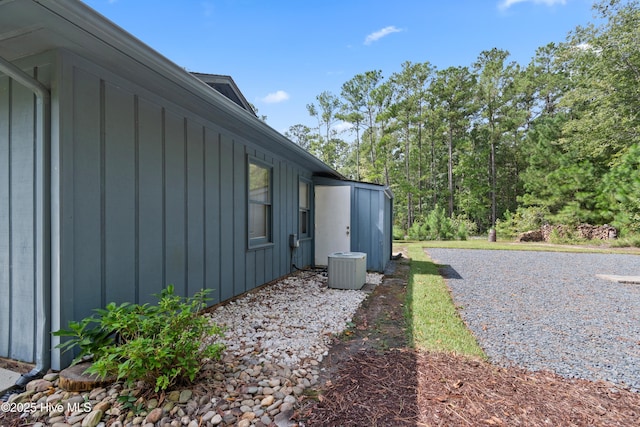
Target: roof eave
(79, 15)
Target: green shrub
(464, 227)
(439, 224)
(631, 240)
(524, 219)
(161, 345)
(436, 225)
(556, 237)
(417, 231)
(398, 233)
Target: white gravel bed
(290, 322)
(275, 338)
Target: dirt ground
(15, 366)
(372, 378)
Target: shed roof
(29, 27)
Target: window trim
(262, 241)
(309, 233)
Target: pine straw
(409, 388)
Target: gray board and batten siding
(149, 194)
(24, 233)
(161, 199)
(139, 180)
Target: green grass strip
(525, 246)
(434, 323)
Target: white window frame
(304, 230)
(264, 204)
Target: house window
(260, 191)
(305, 212)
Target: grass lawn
(525, 246)
(434, 322)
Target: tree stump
(74, 379)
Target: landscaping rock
(275, 338)
(92, 419)
(39, 385)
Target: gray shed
(121, 173)
(353, 216)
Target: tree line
(558, 137)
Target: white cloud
(275, 97)
(377, 35)
(586, 47)
(505, 4)
(342, 127)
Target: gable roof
(29, 27)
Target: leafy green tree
(605, 64)
(407, 111)
(358, 108)
(620, 198)
(559, 135)
(452, 91)
(301, 135)
(600, 119)
(472, 196)
(327, 147)
(545, 157)
(379, 135)
(549, 76)
(494, 93)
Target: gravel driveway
(549, 310)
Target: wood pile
(547, 230)
(604, 232)
(583, 231)
(531, 236)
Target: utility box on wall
(347, 270)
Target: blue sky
(282, 53)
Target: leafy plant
(627, 241)
(398, 233)
(438, 226)
(128, 402)
(159, 344)
(88, 340)
(464, 227)
(524, 219)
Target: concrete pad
(632, 280)
(7, 379)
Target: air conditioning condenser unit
(347, 270)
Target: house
(121, 173)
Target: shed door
(333, 221)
